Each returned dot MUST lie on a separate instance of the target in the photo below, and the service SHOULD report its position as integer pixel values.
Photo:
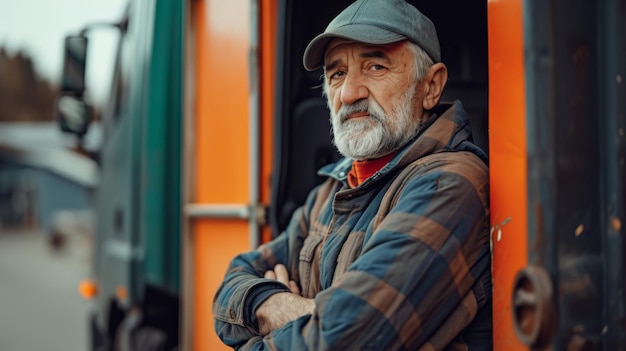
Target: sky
(38, 27)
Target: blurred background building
(41, 170)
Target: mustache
(359, 106)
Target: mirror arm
(122, 26)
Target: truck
(214, 131)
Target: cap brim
(314, 53)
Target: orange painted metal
(508, 161)
(222, 140)
(222, 105)
(217, 242)
(222, 34)
(268, 35)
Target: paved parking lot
(40, 308)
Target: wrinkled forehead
(339, 45)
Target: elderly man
(392, 251)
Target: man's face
(375, 102)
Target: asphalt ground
(40, 307)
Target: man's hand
(281, 308)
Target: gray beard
(378, 134)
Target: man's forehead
(387, 52)
(337, 44)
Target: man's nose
(353, 89)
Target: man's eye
(337, 74)
(378, 67)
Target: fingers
(270, 275)
(294, 287)
(281, 274)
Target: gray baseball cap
(376, 22)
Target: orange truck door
(227, 150)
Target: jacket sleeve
(413, 286)
(244, 287)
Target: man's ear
(435, 80)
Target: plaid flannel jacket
(402, 262)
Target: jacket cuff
(256, 296)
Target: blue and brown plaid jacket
(402, 262)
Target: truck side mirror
(73, 114)
(74, 63)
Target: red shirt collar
(361, 170)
